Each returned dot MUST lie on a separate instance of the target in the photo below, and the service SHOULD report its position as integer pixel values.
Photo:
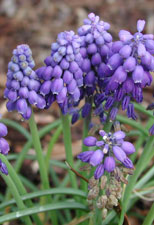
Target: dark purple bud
(28, 113)
(85, 156)
(21, 106)
(116, 46)
(114, 61)
(11, 106)
(137, 93)
(23, 92)
(86, 110)
(119, 153)
(3, 168)
(131, 112)
(45, 88)
(109, 102)
(120, 75)
(72, 86)
(147, 79)
(128, 163)
(57, 72)
(90, 141)
(99, 98)
(62, 95)
(86, 65)
(6, 91)
(96, 59)
(47, 73)
(99, 171)
(90, 79)
(3, 130)
(57, 86)
(140, 25)
(48, 60)
(130, 64)
(151, 130)
(96, 158)
(125, 35)
(40, 71)
(138, 74)
(109, 164)
(128, 85)
(32, 98)
(128, 147)
(12, 95)
(125, 102)
(73, 67)
(125, 51)
(41, 103)
(75, 117)
(113, 113)
(119, 135)
(64, 64)
(92, 49)
(67, 77)
(49, 100)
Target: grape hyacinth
(95, 50)
(131, 62)
(22, 86)
(109, 149)
(62, 76)
(4, 147)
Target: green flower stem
(21, 189)
(141, 164)
(51, 144)
(41, 161)
(9, 181)
(150, 217)
(68, 147)
(141, 109)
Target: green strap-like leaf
(44, 208)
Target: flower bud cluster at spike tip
(22, 86)
(4, 147)
(110, 148)
(62, 76)
(95, 49)
(131, 62)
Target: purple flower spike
(119, 135)
(3, 168)
(3, 130)
(109, 164)
(90, 141)
(96, 158)
(128, 147)
(99, 171)
(119, 153)
(4, 146)
(85, 156)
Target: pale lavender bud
(130, 64)
(3, 130)
(23, 92)
(86, 65)
(71, 86)
(15, 85)
(109, 164)
(119, 135)
(125, 51)
(41, 103)
(128, 147)
(18, 76)
(99, 171)
(34, 85)
(107, 37)
(76, 94)
(12, 95)
(116, 46)
(25, 82)
(67, 77)
(99, 143)
(64, 64)
(28, 113)
(57, 72)
(92, 49)
(138, 74)
(90, 141)
(32, 98)
(96, 158)
(47, 73)
(140, 25)
(125, 35)
(114, 61)
(141, 50)
(62, 95)
(96, 59)
(149, 44)
(73, 67)
(120, 75)
(146, 59)
(45, 88)
(21, 106)
(119, 153)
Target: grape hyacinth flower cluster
(4, 147)
(22, 86)
(95, 50)
(131, 62)
(62, 76)
(110, 148)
